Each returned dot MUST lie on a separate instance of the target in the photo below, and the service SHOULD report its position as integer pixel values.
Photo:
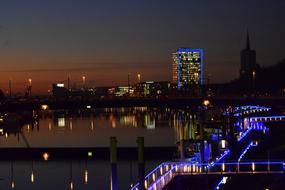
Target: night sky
(104, 40)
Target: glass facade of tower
(187, 68)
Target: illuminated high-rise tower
(187, 67)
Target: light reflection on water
(160, 127)
(66, 174)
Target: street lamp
(30, 87)
(83, 81)
(30, 81)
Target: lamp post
(30, 87)
(83, 81)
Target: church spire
(247, 40)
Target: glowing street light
(30, 81)
(206, 102)
(44, 107)
(83, 80)
(45, 156)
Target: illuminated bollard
(113, 160)
(223, 167)
(145, 184)
(185, 169)
(153, 177)
(253, 167)
(140, 144)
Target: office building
(187, 67)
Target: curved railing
(165, 172)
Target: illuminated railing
(231, 168)
(249, 107)
(267, 118)
(181, 168)
(247, 167)
(221, 182)
(244, 110)
(165, 172)
(251, 111)
(254, 126)
(219, 159)
(251, 144)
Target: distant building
(123, 91)
(152, 88)
(187, 67)
(59, 90)
(247, 61)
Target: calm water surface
(60, 174)
(93, 128)
(161, 127)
